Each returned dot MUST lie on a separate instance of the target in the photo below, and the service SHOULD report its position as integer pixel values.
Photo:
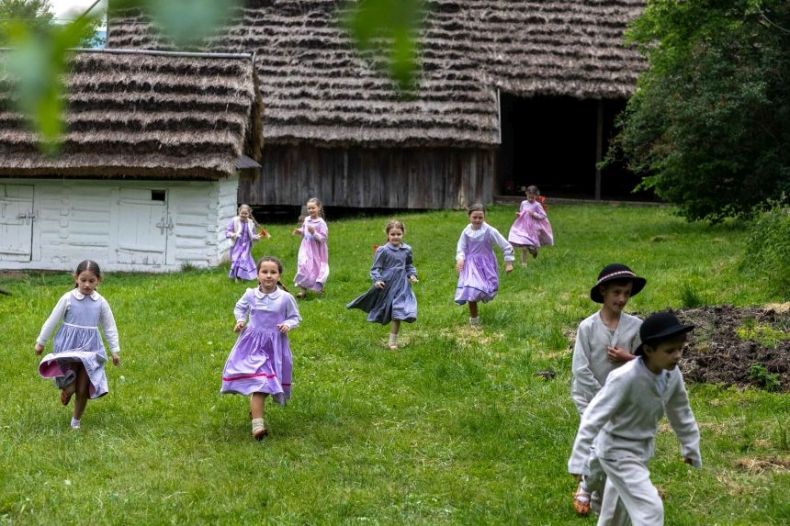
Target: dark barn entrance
(553, 142)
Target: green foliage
(709, 125)
(689, 297)
(769, 381)
(389, 29)
(767, 254)
(457, 427)
(37, 15)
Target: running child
(476, 264)
(390, 298)
(621, 422)
(312, 266)
(260, 363)
(76, 362)
(604, 341)
(531, 229)
(243, 232)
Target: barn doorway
(552, 142)
(16, 222)
(143, 226)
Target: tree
(709, 124)
(37, 14)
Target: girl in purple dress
(260, 362)
(475, 262)
(242, 231)
(312, 266)
(76, 362)
(391, 299)
(531, 229)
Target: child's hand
(459, 266)
(39, 348)
(413, 278)
(116, 359)
(283, 328)
(508, 266)
(379, 285)
(296, 232)
(617, 355)
(311, 229)
(239, 326)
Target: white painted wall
(150, 226)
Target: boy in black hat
(604, 341)
(622, 421)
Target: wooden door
(143, 226)
(16, 222)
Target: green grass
(455, 428)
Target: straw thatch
(317, 88)
(141, 114)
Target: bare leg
(394, 330)
(82, 386)
(523, 256)
(473, 309)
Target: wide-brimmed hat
(616, 271)
(660, 327)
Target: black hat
(613, 272)
(660, 327)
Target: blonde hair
(475, 207)
(317, 202)
(249, 208)
(394, 223)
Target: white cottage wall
(150, 226)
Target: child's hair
(249, 208)
(475, 207)
(532, 189)
(90, 266)
(394, 223)
(277, 262)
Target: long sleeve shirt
(61, 313)
(591, 364)
(627, 410)
(277, 301)
(485, 231)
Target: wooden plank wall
(398, 178)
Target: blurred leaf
(390, 29)
(36, 66)
(188, 22)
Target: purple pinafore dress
(312, 267)
(78, 340)
(242, 266)
(479, 279)
(260, 361)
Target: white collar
(80, 296)
(272, 295)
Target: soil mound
(738, 346)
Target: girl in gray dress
(390, 298)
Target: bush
(767, 254)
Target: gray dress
(396, 301)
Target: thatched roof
(141, 114)
(317, 88)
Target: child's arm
(584, 383)
(320, 232)
(375, 269)
(240, 312)
(230, 231)
(107, 321)
(460, 252)
(683, 423)
(537, 212)
(411, 272)
(601, 409)
(292, 317)
(507, 249)
(52, 322)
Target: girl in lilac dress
(242, 231)
(312, 266)
(475, 262)
(260, 363)
(390, 298)
(531, 229)
(76, 362)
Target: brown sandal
(65, 395)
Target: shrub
(767, 254)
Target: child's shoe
(581, 501)
(393, 342)
(75, 424)
(474, 322)
(258, 429)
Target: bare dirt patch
(738, 346)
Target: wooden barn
(509, 93)
(147, 177)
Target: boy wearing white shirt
(622, 422)
(604, 341)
